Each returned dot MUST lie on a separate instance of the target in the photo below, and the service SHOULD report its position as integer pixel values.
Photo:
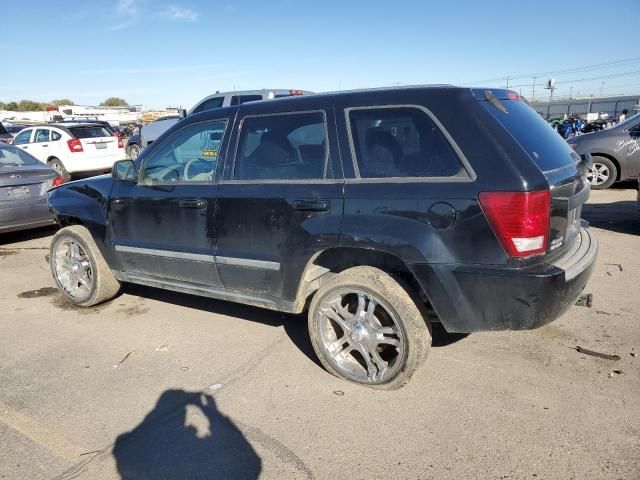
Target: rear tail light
(513, 96)
(296, 92)
(520, 220)
(120, 142)
(75, 145)
(55, 182)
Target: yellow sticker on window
(209, 153)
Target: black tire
(57, 165)
(104, 285)
(603, 164)
(133, 151)
(407, 313)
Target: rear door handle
(193, 203)
(311, 205)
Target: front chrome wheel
(598, 174)
(73, 270)
(360, 336)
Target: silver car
(24, 183)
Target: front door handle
(46, 145)
(311, 205)
(193, 203)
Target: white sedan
(72, 147)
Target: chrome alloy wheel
(73, 269)
(360, 336)
(598, 174)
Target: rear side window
(292, 146)
(41, 136)
(209, 104)
(90, 132)
(55, 135)
(401, 142)
(546, 148)
(238, 99)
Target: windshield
(546, 148)
(11, 156)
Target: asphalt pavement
(157, 385)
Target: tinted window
(3, 130)
(282, 147)
(545, 147)
(41, 136)
(238, 99)
(15, 156)
(401, 142)
(23, 137)
(189, 155)
(210, 104)
(55, 136)
(90, 132)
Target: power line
(597, 66)
(577, 80)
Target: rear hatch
(564, 170)
(96, 140)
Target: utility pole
(601, 87)
(533, 90)
(507, 82)
(570, 92)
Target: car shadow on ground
(26, 235)
(619, 217)
(295, 326)
(185, 436)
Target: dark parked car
(14, 129)
(24, 182)
(134, 146)
(377, 211)
(615, 152)
(5, 136)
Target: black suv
(377, 211)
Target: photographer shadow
(185, 436)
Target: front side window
(189, 155)
(41, 136)
(401, 142)
(209, 104)
(23, 137)
(292, 146)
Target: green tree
(11, 106)
(30, 106)
(62, 101)
(114, 102)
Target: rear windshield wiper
(488, 94)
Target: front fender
(84, 202)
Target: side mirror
(124, 171)
(183, 113)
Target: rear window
(10, 156)
(90, 132)
(546, 148)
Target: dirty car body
(271, 242)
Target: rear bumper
(79, 163)
(476, 298)
(25, 215)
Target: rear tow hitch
(585, 300)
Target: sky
(162, 53)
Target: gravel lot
(155, 384)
